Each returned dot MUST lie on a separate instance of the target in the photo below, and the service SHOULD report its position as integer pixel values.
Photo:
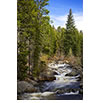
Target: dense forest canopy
(38, 41)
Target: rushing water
(62, 88)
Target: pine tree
(81, 46)
(25, 30)
(30, 24)
(60, 38)
(72, 37)
(42, 11)
(70, 26)
(70, 22)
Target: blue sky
(59, 10)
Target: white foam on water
(53, 65)
(71, 93)
(77, 92)
(34, 98)
(59, 83)
(41, 94)
(37, 96)
(61, 79)
(47, 93)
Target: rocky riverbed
(60, 81)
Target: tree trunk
(29, 58)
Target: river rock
(55, 73)
(47, 76)
(81, 91)
(73, 73)
(66, 90)
(23, 86)
(34, 83)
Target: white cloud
(61, 20)
(79, 21)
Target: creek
(63, 88)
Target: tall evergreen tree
(25, 12)
(70, 26)
(60, 38)
(42, 11)
(81, 46)
(72, 37)
(70, 21)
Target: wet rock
(81, 91)
(66, 90)
(81, 88)
(47, 76)
(78, 68)
(79, 78)
(72, 73)
(23, 86)
(55, 73)
(34, 83)
(81, 85)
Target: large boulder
(23, 86)
(34, 83)
(73, 73)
